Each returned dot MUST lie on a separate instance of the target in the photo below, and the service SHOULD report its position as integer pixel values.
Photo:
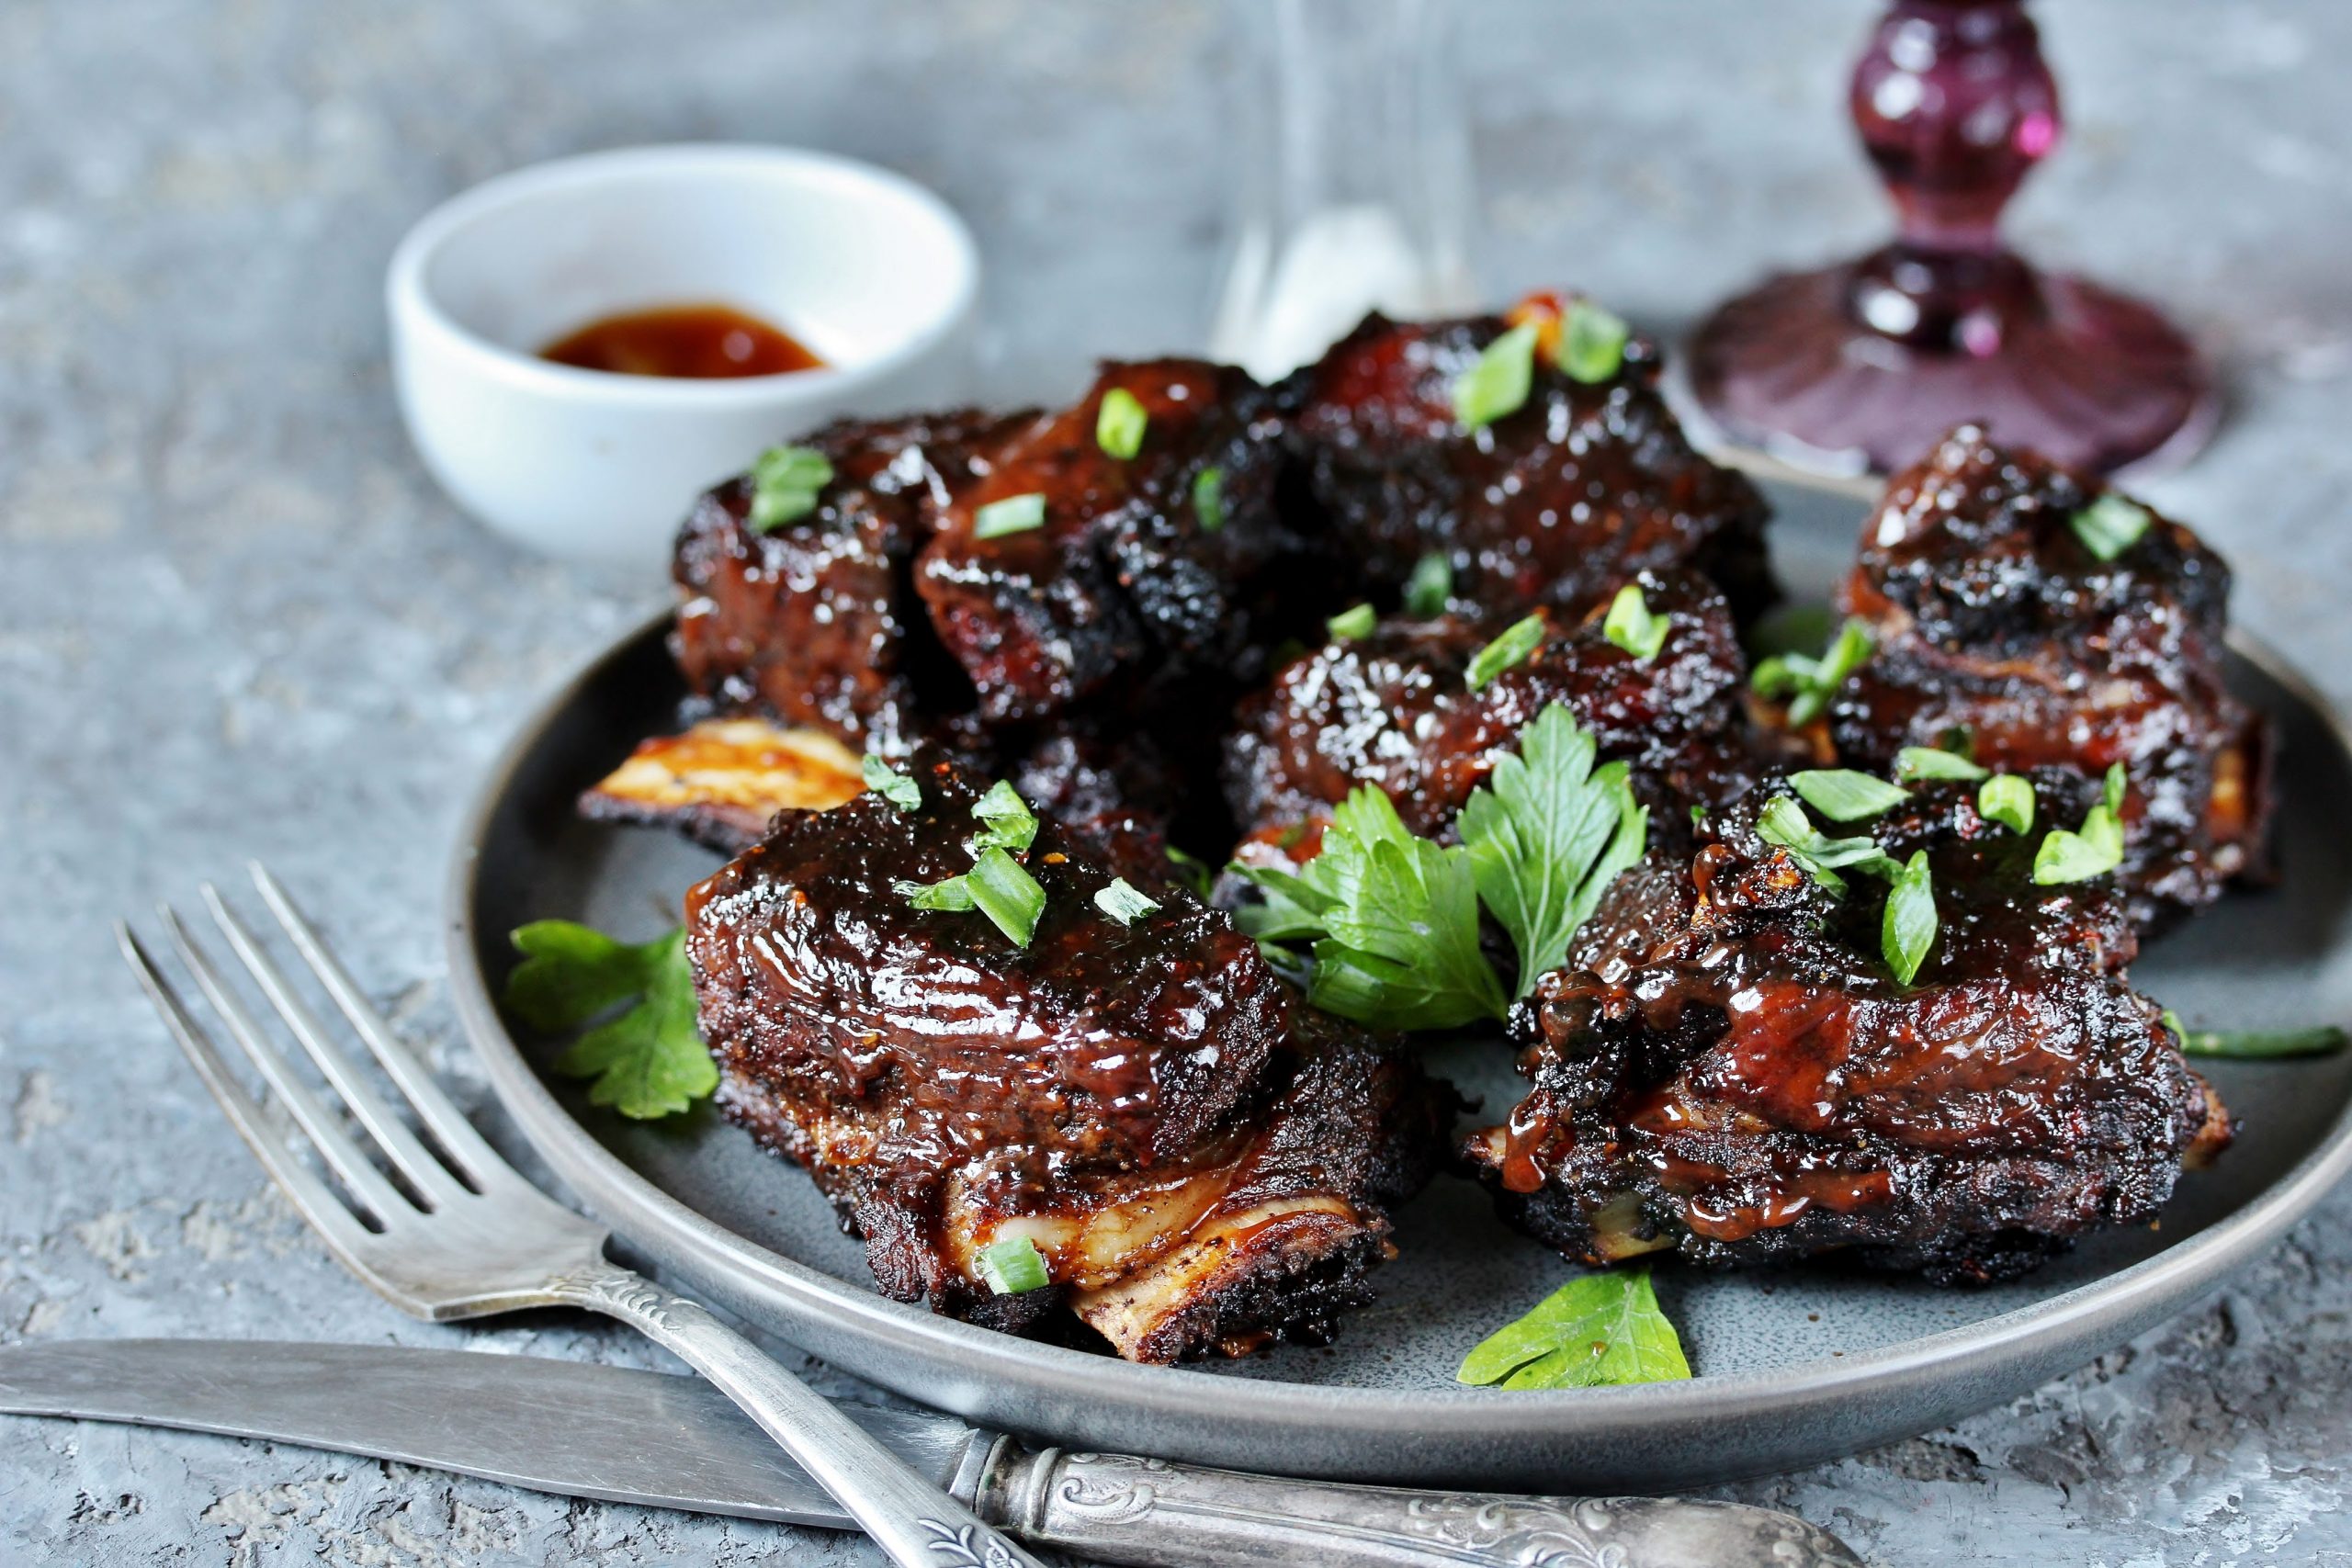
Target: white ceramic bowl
(870, 270)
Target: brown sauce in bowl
(693, 342)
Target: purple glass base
(2087, 375)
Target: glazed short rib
(1740, 1080)
(1206, 1165)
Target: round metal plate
(1795, 1366)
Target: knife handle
(1118, 1509)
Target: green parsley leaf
(2094, 849)
(1012, 1267)
(1515, 642)
(1007, 822)
(953, 894)
(786, 483)
(2257, 1045)
(1810, 684)
(1431, 586)
(1908, 931)
(1592, 343)
(1596, 1329)
(1843, 794)
(2110, 526)
(1916, 762)
(1397, 920)
(1631, 626)
(1498, 385)
(2006, 798)
(1547, 833)
(1122, 903)
(648, 1062)
(1783, 822)
(1014, 515)
(1208, 500)
(890, 784)
(1119, 424)
(1191, 871)
(1350, 623)
(1003, 890)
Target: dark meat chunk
(1750, 1084)
(1394, 708)
(1141, 568)
(1557, 503)
(816, 622)
(1206, 1164)
(1993, 619)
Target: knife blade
(583, 1431)
(565, 1426)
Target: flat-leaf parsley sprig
(647, 1061)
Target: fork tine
(326, 1213)
(409, 1158)
(442, 1119)
(342, 1153)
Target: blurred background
(237, 618)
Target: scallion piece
(953, 894)
(2257, 1044)
(1513, 645)
(1916, 762)
(2006, 798)
(1592, 343)
(1808, 684)
(1005, 892)
(2110, 525)
(1350, 623)
(1208, 500)
(1122, 903)
(890, 784)
(1431, 586)
(1908, 931)
(1008, 823)
(786, 483)
(1498, 385)
(1012, 1267)
(1631, 626)
(1843, 794)
(1119, 424)
(1014, 515)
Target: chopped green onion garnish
(1783, 822)
(1498, 385)
(1631, 626)
(1122, 903)
(890, 784)
(1810, 684)
(1429, 587)
(955, 893)
(2006, 798)
(1844, 796)
(1916, 762)
(1349, 624)
(1208, 500)
(1191, 871)
(1008, 824)
(1592, 343)
(1012, 1267)
(1120, 422)
(1006, 893)
(2110, 525)
(1014, 515)
(1909, 928)
(785, 481)
(1516, 642)
(2094, 849)
(2317, 1040)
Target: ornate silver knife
(676, 1442)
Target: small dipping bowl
(868, 269)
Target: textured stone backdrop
(236, 618)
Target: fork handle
(918, 1524)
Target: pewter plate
(1794, 1366)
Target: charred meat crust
(1754, 1086)
(1991, 618)
(1119, 1093)
(816, 622)
(1394, 709)
(1557, 503)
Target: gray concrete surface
(237, 619)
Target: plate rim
(2077, 1324)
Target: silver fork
(463, 1235)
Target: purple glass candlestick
(1865, 364)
